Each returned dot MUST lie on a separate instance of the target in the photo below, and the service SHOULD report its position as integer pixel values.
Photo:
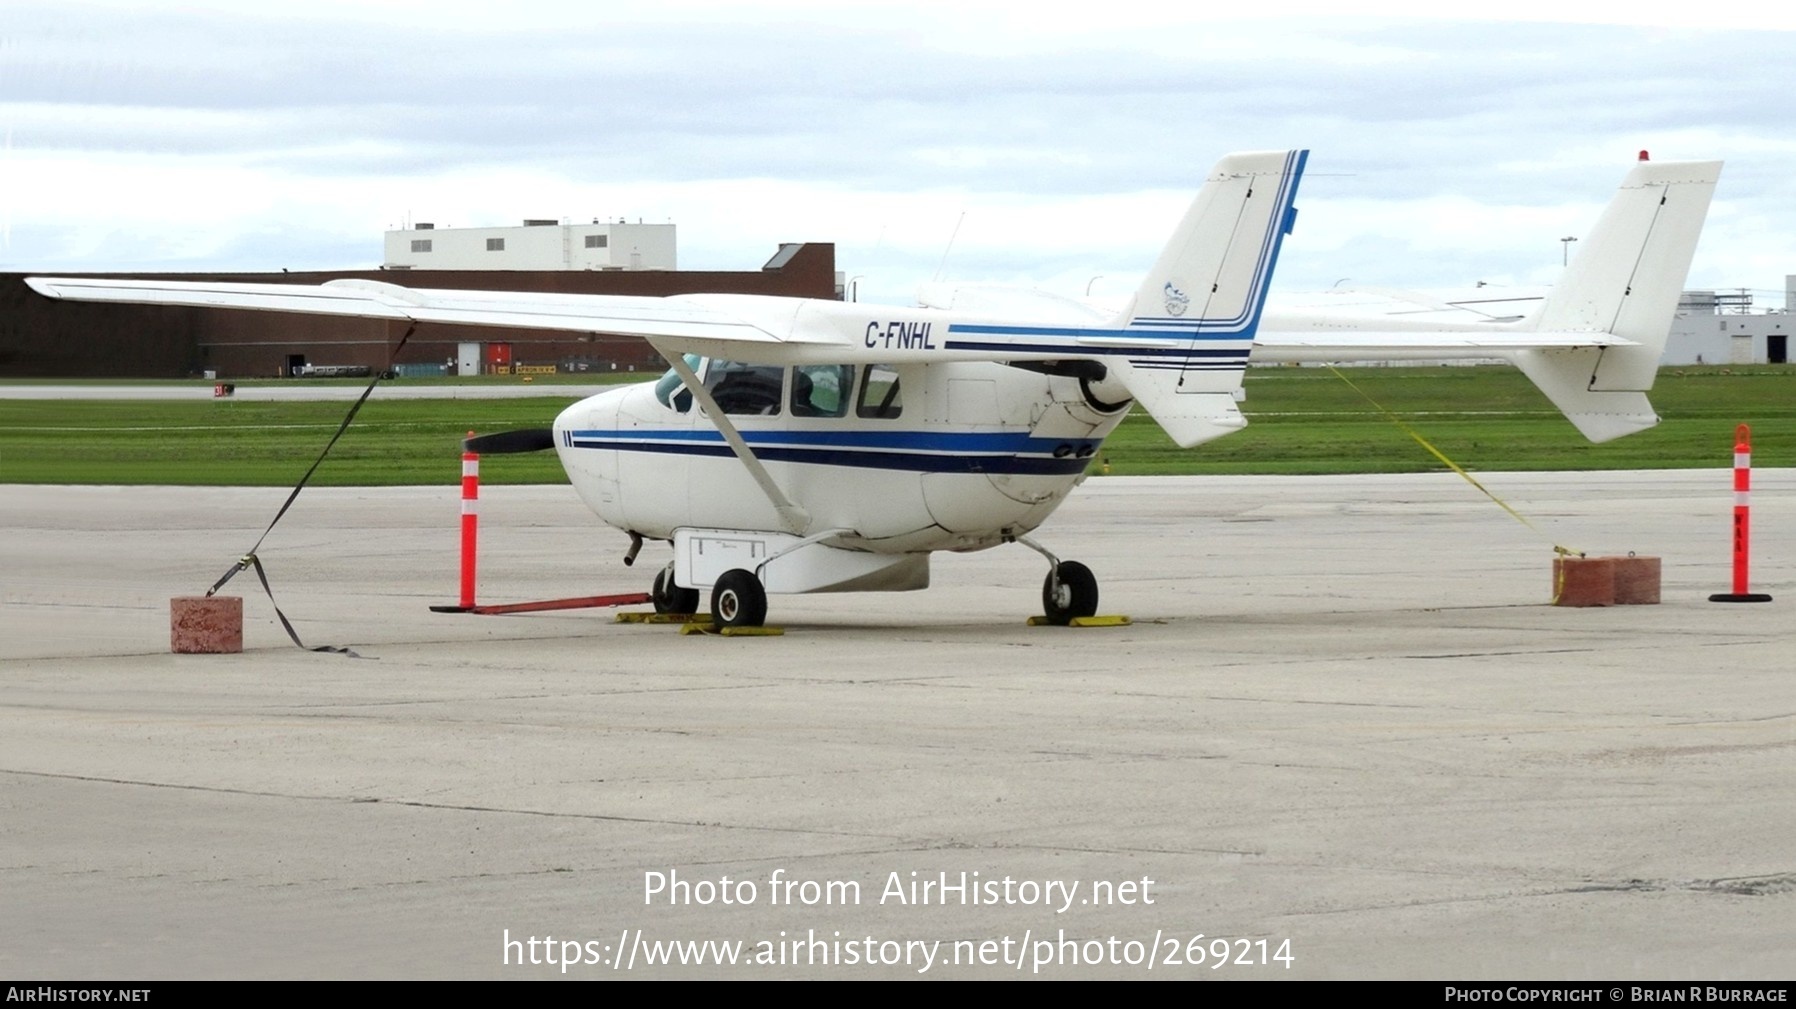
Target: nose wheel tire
(738, 600)
(1071, 590)
(670, 598)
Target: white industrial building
(1719, 327)
(536, 245)
(1710, 327)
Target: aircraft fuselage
(902, 459)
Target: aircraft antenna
(951, 237)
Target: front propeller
(533, 439)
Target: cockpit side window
(822, 390)
(880, 395)
(745, 388)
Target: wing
(677, 318)
(1180, 348)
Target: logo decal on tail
(1176, 300)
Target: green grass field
(1307, 420)
(1303, 420)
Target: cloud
(1442, 148)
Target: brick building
(43, 338)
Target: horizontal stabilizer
(1565, 376)
(1592, 345)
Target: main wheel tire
(738, 600)
(1071, 590)
(670, 598)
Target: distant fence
(574, 367)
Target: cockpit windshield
(669, 384)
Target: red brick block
(1636, 581)
(205, 624)
(1583, 581)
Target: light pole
(1565, 249)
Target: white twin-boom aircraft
(801, 445)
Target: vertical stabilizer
(1625, 281)
(1201, 302)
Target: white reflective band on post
(470, 467)
(469, 506)
(1742, 460)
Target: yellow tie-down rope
(1562, 551)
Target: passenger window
(880, 396)
(821, 390)
(745, 388)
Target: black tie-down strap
(251, 560)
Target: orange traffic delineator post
(470, 549)
(470, 522)
(470, 531)
(1742, 522)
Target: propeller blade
(500, 443)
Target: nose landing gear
(1070, 591)
(670, 598)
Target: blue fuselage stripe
(1186, 330)
(1237, 355)
(914, 451)
(914, 462)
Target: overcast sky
(1062, 140)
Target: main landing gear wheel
(738, 600)
(1071, 590)
(670, 598)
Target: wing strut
(796, 519)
